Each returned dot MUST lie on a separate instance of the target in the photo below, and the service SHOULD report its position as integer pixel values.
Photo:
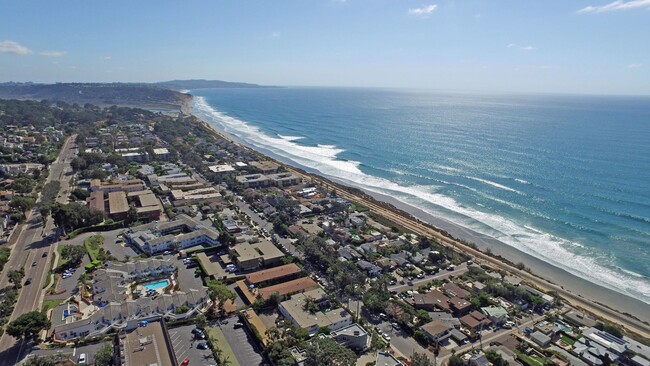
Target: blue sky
(580, 46)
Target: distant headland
(159, 95)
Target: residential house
(496, 314)
(371, 269)
(437, 331)
(353, 336)
(294, 310)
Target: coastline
(541, 273)
(538, 267)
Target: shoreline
(544, 270)
(541, 272)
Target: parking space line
(181, 356)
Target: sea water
(564, 178)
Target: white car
(82, 359)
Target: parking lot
(184, 345)
(242, 343)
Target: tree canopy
(15, 276)
(104, 357)
(73, 253)
(327, 352)
(28, 325)
(220, 293)
(75, 215)
(420, 359)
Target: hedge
(102, 227)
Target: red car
(185, 362)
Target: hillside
(204, 84)
(142, 95)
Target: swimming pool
(156, 285)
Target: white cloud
(275, 34)
(523, 48)
(53, 53)
(424, 10)
(14, 47)
(616, 5)
(106, 57)
(634, 66)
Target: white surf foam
(495, 184)
(545, 246)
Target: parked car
(202, 345)
(238, 325)
(386, 336)
(395, 326)
(82, 359)
(44, 255)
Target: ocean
(564, 178)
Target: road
(264, 224)
(31, 247)
(420, 228)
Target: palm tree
(310, 305)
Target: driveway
(119, 251)
(401, 341)
(90, 350)
(186, 276)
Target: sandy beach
(587, 291)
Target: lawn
(568, 340)
(93, 244)
(531, 360)
(50, 304)
(218, 340)
(360, 208)
(62, 261)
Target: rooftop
(147, 346)
(290, 287)
(307, 319)
(436, 327)
(117, 202)
(273, 273)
